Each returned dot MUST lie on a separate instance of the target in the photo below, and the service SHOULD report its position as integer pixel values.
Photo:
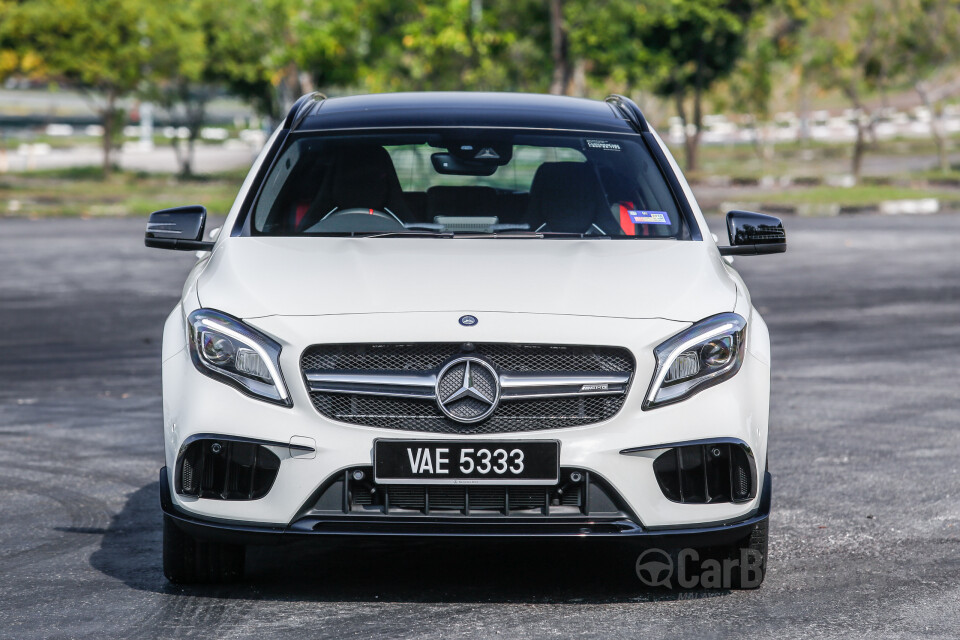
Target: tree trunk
(758, 147)
(186, 167)
(682, 113)
(196, 114)
(108, 120)
(692, 146)
(177, 151)
(803, 132)
(692, 150)
(578, 84)
(858, 148)
(935, 129)
(558, 50)
(860, 144)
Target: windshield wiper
(407, 234)
(473, 235)
(529, 234)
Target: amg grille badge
(594, 387)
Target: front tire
(188, 560)
(752, 548)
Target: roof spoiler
(302, 108)
(629, 110)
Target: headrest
(567, 196)
(363, 177)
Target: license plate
(461, 462)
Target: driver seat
(567, 197)
(361, 177)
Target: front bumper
(310, 526)
(196, 404)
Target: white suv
(462, 314)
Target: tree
(101, 46)
(771, 57)
(177, 69)
(559, 49)
(219, 48)
(317, 44)
(848, 49)
(679, 48)
(927, 40)
(697, 43)
(458, 45)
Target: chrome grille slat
(392, 385)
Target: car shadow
(570, 571)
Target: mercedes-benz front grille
(483, 387)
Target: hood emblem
(468, 390)
(468, 321)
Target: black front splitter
(311, 527)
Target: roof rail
(631, 112)
(301, 108)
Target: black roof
(465, 109)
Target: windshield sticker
(649, 217)
(606, 145)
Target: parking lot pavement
(864, 313)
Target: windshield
(457, 182)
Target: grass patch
(85, 192)
(92, 172)
(848, 197)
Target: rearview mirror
(450, 165)
(754, 234)
(180, 228)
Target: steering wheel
(357, 219)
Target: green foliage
(182, 52)
(458, 45)
(611, 36)
(861, 47)
(101, 44)
(925, 37)
(697, 42)
(332, 37)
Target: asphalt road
(865, 536)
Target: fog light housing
(222, 469)
(707, 472)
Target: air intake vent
(578, 494)
(226, 470)
(706, 473)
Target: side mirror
(754, 234)
(180, 228)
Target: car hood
(253, 277)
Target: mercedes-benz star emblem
(468, 390)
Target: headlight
(706, 354)
(228, 350)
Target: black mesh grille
(411, 414)
(430, 356)
(423, 415)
